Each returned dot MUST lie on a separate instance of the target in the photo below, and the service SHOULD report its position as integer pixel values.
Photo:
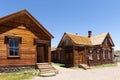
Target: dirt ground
(107, 73)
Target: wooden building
(23, 40)
(92, 50)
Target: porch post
(49, 54)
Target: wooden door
(69, 59)
(40, 53)
(80, 57)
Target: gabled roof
(94, 40)
(28, 15)
(79, 39)
(98, 39)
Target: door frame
(80, 54)
(47, 44)
(42, 53)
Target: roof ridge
(77, 39)
(100, 34)
(75, 35)
(94, 40)
(23, 10)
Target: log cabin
(23, 40)
(92, 50)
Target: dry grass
(103, 66)
(19, 75)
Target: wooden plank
(27, 49)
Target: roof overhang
(28, 18)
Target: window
(103, 54)
(90, 55)
(98, 54)
(106, 42)
(13, 47)
(67, 42)
(109, 56)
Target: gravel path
(108, 73)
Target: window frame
(106, 41)
(67, 42)
(7, 38)
(98, 54)
(104, 56)
(109, 54)
(90, 54)
(13, 47)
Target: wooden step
(45, 68)
(84, 66)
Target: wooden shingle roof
(98, 39)
(79, 39)
(93, 40)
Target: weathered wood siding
(76, 57)
(27, 49)
(95, 61)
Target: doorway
(42, 55)
(80, 57)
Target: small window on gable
(106, 41)
(67, 42)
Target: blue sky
(74, 16)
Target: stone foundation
(8, 69)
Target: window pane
(16, 52)
(98, 56)
(11, 51)
(90, 56)
(11, 43)
(13, 47)
(103, 54)
(106, 41)
(109, 57)
(16, 43)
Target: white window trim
(98, 54)
(90, 54)
(104, 54)
(106, 41)
(109, 56)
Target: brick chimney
(89, 34)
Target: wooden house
(23, 40)
(92, 50)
